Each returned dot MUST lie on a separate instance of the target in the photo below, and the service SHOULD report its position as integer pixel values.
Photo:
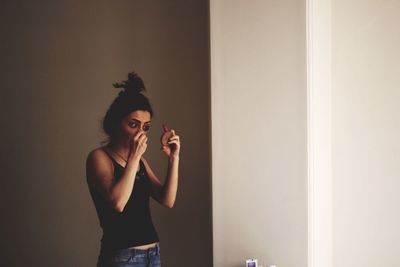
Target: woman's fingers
(176, 137)
(173, 142)
(143, 136)
(166, 148)
(142, 139)
(138, 135)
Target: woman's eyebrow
(139, 120)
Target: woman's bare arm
(100, 172)
(165, 194)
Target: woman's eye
(134, 125)
(146, 128)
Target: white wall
(319, 133)
(259, 159)
(366, 130)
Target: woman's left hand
(173, 147)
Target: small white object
(251, 263)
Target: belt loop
(158, 249)
(134, 252)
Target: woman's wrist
(134, 157)
(173, 158)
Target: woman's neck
(119, 147)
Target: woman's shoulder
(97, 156)
(97, 152)
(98, 165)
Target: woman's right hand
(138, 144)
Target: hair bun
(134, 84)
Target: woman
(121, 180)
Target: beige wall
(59, 59)
(366, 130)
(259, 158)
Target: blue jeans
(129, 257)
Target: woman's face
(133, 123)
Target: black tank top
(133, 226)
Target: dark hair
(128, 100)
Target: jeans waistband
(133, 251)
